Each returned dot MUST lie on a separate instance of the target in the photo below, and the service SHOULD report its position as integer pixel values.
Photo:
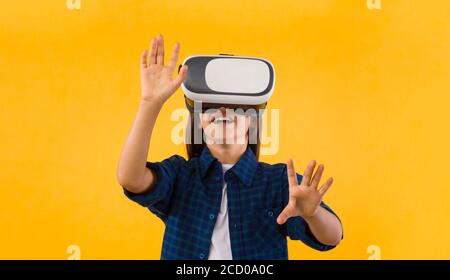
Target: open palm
(157, 83)
(304, 199)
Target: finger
(308, 172)
(152, 53)
(174, 58)
(284, 215)
(144, 58)
(317, 175)
(292, 176)
(325, 186)
(160, 52)
(180, 77)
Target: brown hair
(194, 150)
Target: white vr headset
(228, 79)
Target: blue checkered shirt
(187, 195)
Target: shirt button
(202, 256)
(211, 216)
(270, 213)
(235, 225)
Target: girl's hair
(195, 150)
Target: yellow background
(364, 91)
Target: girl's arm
(157, 86)
(304, 201)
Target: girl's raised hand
(304, 199)
(157, 84)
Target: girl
(221, 203)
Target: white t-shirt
(220, 241)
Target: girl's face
(225, 126)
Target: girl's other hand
(304, 198)
(157, 84)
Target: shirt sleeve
(297, 228)
(158, 198)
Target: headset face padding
(228, 79)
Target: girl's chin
(224, 140)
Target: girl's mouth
(218, 120)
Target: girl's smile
(217, 120)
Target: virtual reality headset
(228, 80)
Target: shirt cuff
(156, 198)
(298, 229)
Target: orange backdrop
(361, 88)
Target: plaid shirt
(187, 197)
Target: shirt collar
(244, 169)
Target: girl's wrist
(312, 217)
(153, 102)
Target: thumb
(180, 77)
(284, 215)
